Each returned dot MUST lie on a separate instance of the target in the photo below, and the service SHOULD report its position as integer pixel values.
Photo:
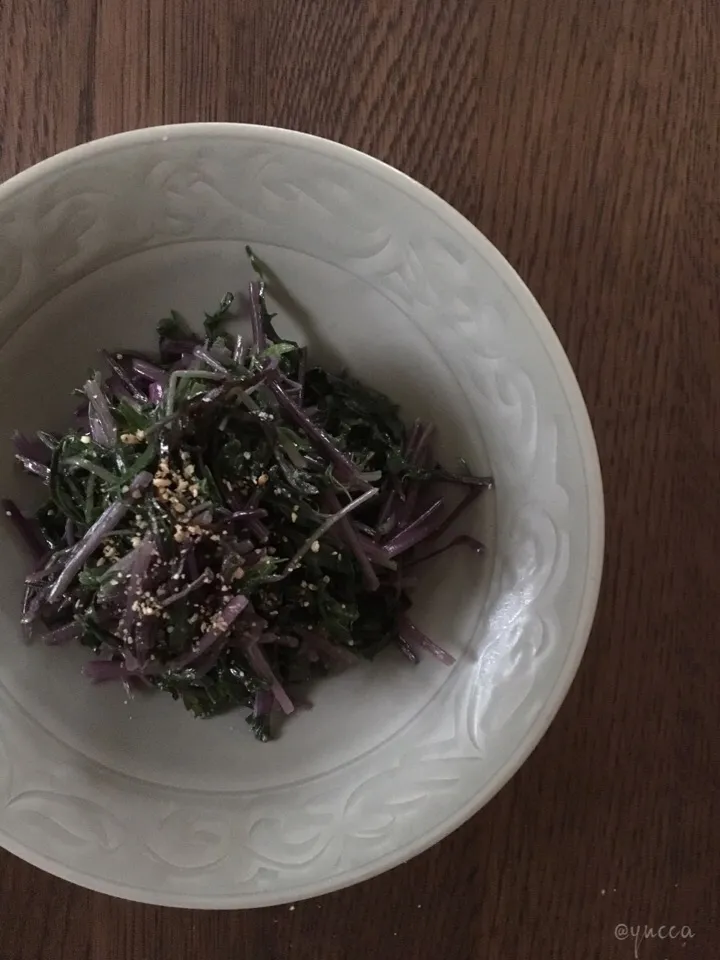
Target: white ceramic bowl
(138, 799)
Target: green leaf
(214, 321)
(279, 349)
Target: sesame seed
(315, 546)
(293, 517)
(247, 455)
(129, 438)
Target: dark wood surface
(582, 137)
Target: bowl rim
(586, 440)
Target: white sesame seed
(315, 546)
(85, 439)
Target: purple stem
(375, 553)
(205, 577)
(258, 329)
(105, 524)
(346, 468)
(348, 533)
(155, 392)
(407, 650)
(138, 572)
(259, 663)
(414, 637)
(121, 376)
(30, 448)
(416, 531)
(33, 467)
(469, 496)
(462, 540)
(150, 371)
(102, 424)
(221, 622)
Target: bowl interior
(346, 324)
(139, 799)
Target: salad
(225, 522)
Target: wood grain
(582, 137)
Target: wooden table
(582, 137)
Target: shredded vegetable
(225, 522)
